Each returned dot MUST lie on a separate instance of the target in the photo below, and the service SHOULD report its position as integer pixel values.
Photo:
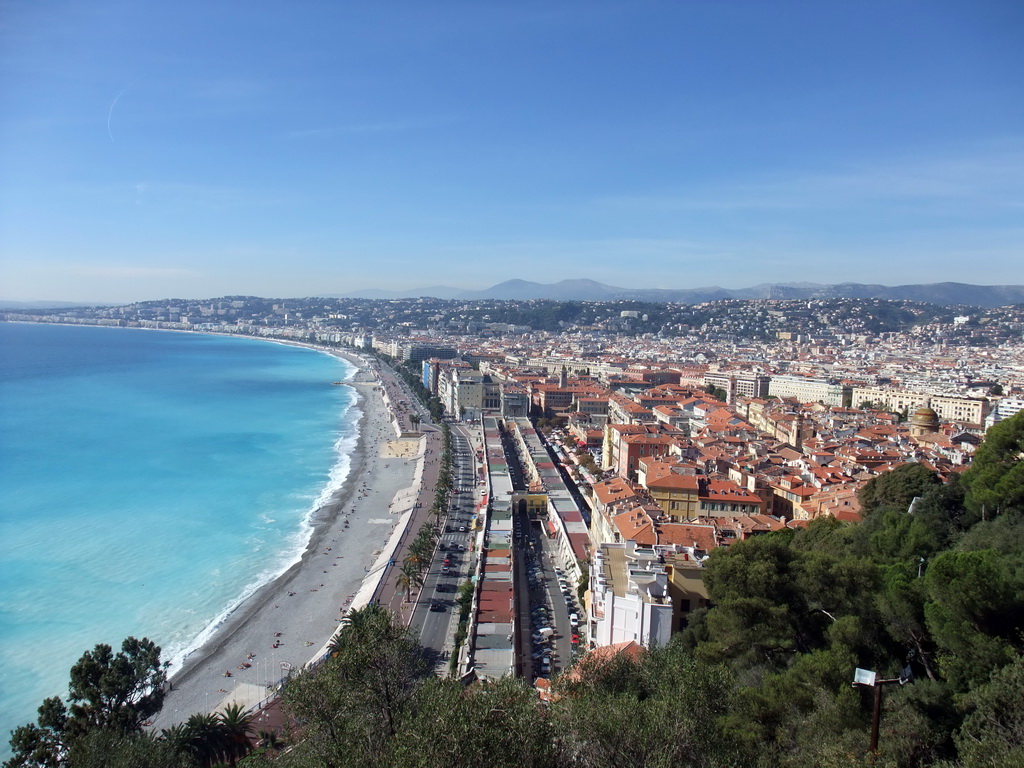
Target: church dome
(925, 418)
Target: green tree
(995, 480)
(44, 742)
(358, 700)
(106, 749)
(108, 692)
(588, 463)
(1004, 534)
(749, 631)
(900, 603)
(117, 691)
(362, 625)
(897, 488)
(630, 712)
(975, 613)
(718, 394)
(993, 731)
(497, 724)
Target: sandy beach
(286, 623)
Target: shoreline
(286, 621)
(182, 660)
(316, 520)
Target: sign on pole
(863, 677)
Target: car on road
(436, 605)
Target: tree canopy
(897, 489)
(995, 480)
(109, 693)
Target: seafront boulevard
(288, 624)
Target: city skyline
(315, 149)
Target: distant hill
(434, 292)
(591, 290)
(16, 305)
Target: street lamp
(869, 679)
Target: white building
(970, 410)
(1004, 409)
(808, 390)
(629, 596)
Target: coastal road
(437, 628)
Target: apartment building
(964, 410)
(737, 384)
(810, 390)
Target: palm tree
(412, 561)
(364, 624)
(404, 582)
(236, 724)
(269, 739)
(409, 578)
(423, 544)
(177, 735)
(425, 539)
(204, 738)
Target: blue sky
(197, 149)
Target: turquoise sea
(149, 481)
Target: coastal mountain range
(591, 290)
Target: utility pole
(869, 679)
